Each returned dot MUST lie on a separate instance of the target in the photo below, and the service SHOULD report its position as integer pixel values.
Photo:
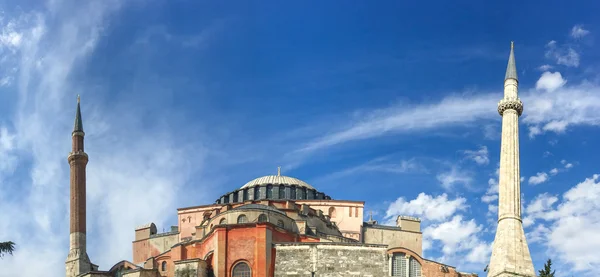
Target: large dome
(276, 180)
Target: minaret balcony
(510, 104)
(77, 155)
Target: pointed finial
(370, 215)
(511, 68)
(78, 99)
(279, 171)
(78, 128)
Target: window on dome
(293, 193)
(245, 194)
(223, 221)
(280, 223)
(241, 270)
(256, 193)
(262, 218)
(242, 219)
(269, 191)
(282, 192)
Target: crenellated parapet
(510, 104)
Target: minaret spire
(78, 261)
(511, 68)
(510, 253)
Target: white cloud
(545, 67)
(534, 131)
(554, 171)
(459, 238)
(538, 208)
(408, 118)
(8, 157)
(427, 207)
(443, 228)
(564, 55)
(571, 230)
(550, 81)
(453, 177)
(569, 165)
(566, 106)
(479, 156)
(492, 192)
(539, 178)
(578, 32)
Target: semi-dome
(276, 180)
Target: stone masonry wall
(330, 260)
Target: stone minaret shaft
(77, 261)
(510, 253)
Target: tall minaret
(510, 253)
(77, 261)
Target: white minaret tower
(510, 253)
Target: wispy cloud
(578, 32)
(562, 54)
(455, 176)
(478, 156)
(131, 166)
(539, 178)
(553, 109)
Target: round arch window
(163, 266)
(223, 221)
(280, 223)
(262, 218)
(241, 270)
(242, 219)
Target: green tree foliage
(6, 247)
(547, 271)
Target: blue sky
(391, 103)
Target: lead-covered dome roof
(276, 180)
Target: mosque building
(281, 226)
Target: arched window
(256, 193)
(241, 270)
(401, 266)
(356, 211)
(262, 218)
(269, 191)
(163, 266)
(223, 221)
(350, 211)
(293, 193)
(242, 219)
(332, 212)
(282, 192)
(415, 268)
(245, 194)
(280, 223)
